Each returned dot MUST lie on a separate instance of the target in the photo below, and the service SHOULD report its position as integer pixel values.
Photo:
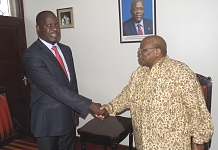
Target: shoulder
(128, 21)
(34, 47)
(147, 20)
(178, 63)
(32, 52)
(64, 48)
(61, 45)
(175, 63)
(180, 68)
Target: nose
(54, 28)
(138, 12)
(138, 53)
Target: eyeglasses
(140, 50)
(138, 9)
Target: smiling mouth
(138, 16)
(54, 35)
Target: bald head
(156, 42)
(152, 50)
(136, 1)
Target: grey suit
(129, 27)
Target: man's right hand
(103, 107)
(98, 111)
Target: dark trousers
(65, 142)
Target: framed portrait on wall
(65, 17)
(137, 19)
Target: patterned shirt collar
(158, 64)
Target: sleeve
(123, 100)
(201, 126)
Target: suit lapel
(47, 52)
(147, 27)
(67, 59)
(132, 27)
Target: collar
(48, 44)
(141, 23)
(158, 64)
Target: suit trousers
(65, 142)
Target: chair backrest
(7, 132)
(206, 84)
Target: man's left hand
(195, 147)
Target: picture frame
(65, 17)
(130, 17)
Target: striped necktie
(139, 29)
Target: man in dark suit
(137, 25)
(54, 94)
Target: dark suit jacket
(129, 27)
(54, 100)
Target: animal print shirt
(167, 107)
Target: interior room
(104, 64)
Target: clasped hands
(100, 111)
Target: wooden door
(12, 44)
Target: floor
(89, 146)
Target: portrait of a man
(137, 24)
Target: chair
(109, 132)
(11, 136)
(206, 85)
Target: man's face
(137, 11)
(48, 28)
(147, 55)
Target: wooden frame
(128, 25)
(20, 11)
(16, 9)
(65, 17)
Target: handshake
(99, 111)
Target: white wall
(103, 65)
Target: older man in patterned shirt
(165, 100)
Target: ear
(37, 28)
(158, 52)
(131, 11)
